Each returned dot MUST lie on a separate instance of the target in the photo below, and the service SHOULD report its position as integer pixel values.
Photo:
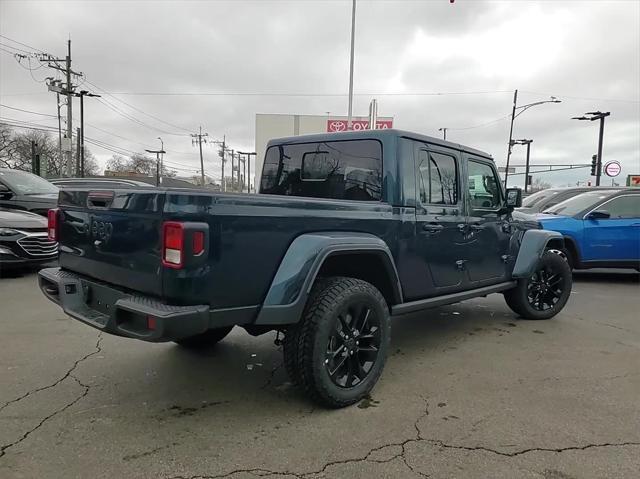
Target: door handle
(432, 227)
(476, 227)
(635, 225)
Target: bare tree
(539, 184)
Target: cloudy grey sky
(218, 63)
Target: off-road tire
(518, 298)
(305, 344)
(205, 340)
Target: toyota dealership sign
(334, 126)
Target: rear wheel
(206, 339)
(545, 292)
(338, 350)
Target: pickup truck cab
(348, 230)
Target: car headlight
(8, 232)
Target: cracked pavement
(468, 391)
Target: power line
(137, 109)
(20, 43)
(284, 94)
(26, 111)
(482, 124)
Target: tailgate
(113, 236)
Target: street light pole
(515, 115)
(82, 94)
(158, 153)
(597, 115)
(444, 133)
(353, 34)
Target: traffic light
(594, 165)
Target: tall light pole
(161, 159)
(353, 37)
(158, 153)
(444, 132)
(82, 94)
(515, 115)
(596, 115)
(526, 172)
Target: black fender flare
(532, 247)
(290, 287)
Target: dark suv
(348, 230)
(20, 190)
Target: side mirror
(5, 192)
(514, 198)
(599, 215)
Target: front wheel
(545, 292)
(337, 351)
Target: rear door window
(349, 170)
(437, 178)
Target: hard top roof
(378, 135)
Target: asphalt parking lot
(469, 391)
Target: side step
(413, 306)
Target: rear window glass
(349, 170)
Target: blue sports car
(601, 228)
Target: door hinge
(460, 264)
(506, 258)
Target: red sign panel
(334, 126)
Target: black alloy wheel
(545, 288)
(545, 292)
(353, 346)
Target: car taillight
(172, 244)
(198, 243)
(52, 224)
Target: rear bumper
(116, 312)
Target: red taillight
(151, 323)
(198, 243)
(52, 224)
(172, 244)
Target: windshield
(27, 183)
(536, 198)
(575, 205)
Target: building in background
(269, 126)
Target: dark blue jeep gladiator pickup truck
(349, 229)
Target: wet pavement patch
(368, 402)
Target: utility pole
(56, 86)
(232, 168)
(198, 137)
(69, 92)
(597, 115)
(59, 133)
(221, 153)
(248, 154)
(444, 133)
(353, 35)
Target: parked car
(340, 238)
(102, 182)
(601, 229)
(21, 190)
(541, 200)
(24, 239)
